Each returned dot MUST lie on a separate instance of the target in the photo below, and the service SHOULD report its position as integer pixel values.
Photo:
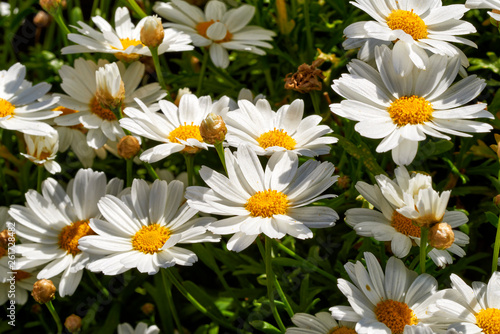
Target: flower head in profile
(404, 110)
(24, 107)
(397, 301)
(490, 4)
(87, 88)
(177, 128)
(217, 28)
(141, 328)
(267, 131)
(42, 150)
(143, 228)
(476, 309)
(124, 40)
(271, 201)
(414, 28)
(320, 323)
(51, 224)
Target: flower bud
(213, 129)
(148, 309)
(41, 19)
(441, 236)
(73, 323)
(152, 32)
(128, 147)
(43, 291)
(50, 6)
(42, 150)
(110, 88)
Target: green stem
(270, 283)
(130, 176)
(190, 168)
(316, 102)
(55, 316)
(156, 61)
(60, 22)
(282, 295)
(423, 248)
(220, 151)
(202, 72)
(496, 250)
(168, 291)
(98, 284)
(137, 8)
(151, 171)
(39, 178)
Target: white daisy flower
(141, 328)
(419, 28)
(124, 41)
(142, 230)
(51, 223)
(21, 105)
(269, 201)
(476, 309)
(79, 82)
(493, 4)
(42, 150)
(178, 128)
(245, 94)
(16, 284)
(217, 28)
(395, 302)
(403, 111)
(320, 323)
(266, 131)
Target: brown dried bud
(73, 323)
(306, 79)
(41, 19)
(496, 200)
(152, 32)
(148, 309)
(50, 6)
(441, 236)
(128, 147)
(213, 129)
(43, 291)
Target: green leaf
(264, 327)
(492, 218)
(203, 298)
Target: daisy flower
(245, 94)
(270, 201)
(403, 111)
(320, 323)
(80, 83)
(143, 228)
(266, 131)
(419, 28)
(394, 302)
(217, 28)
(20, 280)
(124, 41)
(42, 150)
(21, 105)
(141, 328)
(178, 128)
(51, 223)
(493, 4)
(476, 309)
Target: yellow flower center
(202, 28)
(395, 315)
(67, 111)
(69, 236)
(409, 22)
(6, 108)
(276, 138)
(404, 225)
(103, 113)
(185, 132)
(149, 239)
(20, 275)
(267, 203)
(410, 110)
(342, 330)
(489, 320)
(127, 57)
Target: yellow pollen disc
(410, 110)
(20, 275)
(6, 108)
(267, 203)
(409, 22)
(395, 315)
(185, 132)
(128, 57)
(103, 113)
(342, 330)
(489, 320)
(149, 239)
(404, 225)
(202, 28)
(276, 138)
(69, 236)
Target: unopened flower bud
(41, 19)
(50, 6)
(43, 291)
(213, 129)
(441, 236)
(148, 309)
(73, 323)
(110, 88)
(152, 32)
(128, 147)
